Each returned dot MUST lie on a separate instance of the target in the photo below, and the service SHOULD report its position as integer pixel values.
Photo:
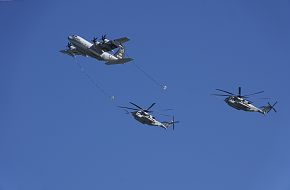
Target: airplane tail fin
(120, 54)
(170, 123)
(266, 109)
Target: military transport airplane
(98, 49)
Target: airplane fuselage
(87, 49)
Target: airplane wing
(120, 61)
(111, 45)
(71, 52)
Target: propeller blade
(94, 40)
(69, 45)
(225, 91)
(104, 37)
(136, 105)
(240, 91)
(150, 107)
(275, 103)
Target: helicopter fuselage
(242, 104)
(146, 118)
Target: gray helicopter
(144, 116)
(240, 102)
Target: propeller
(104, 37)
(94, 40)
(69, 45)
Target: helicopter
(144, 116)
(240, 102)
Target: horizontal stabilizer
(122, 40)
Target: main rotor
(138, 108)
(239, 95)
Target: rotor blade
(273, 106)
(150, 106)
(173, 123)
(136, 105)
(240, 91)
(253, 94)
(264, 98)
(220, 95)
(225, 91)
(166, 115)
(128, 108)
(168, 109)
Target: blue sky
(60, 132)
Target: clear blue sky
(58, 132)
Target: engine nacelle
(108, 57)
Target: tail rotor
(272, 106)
(269, 107)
